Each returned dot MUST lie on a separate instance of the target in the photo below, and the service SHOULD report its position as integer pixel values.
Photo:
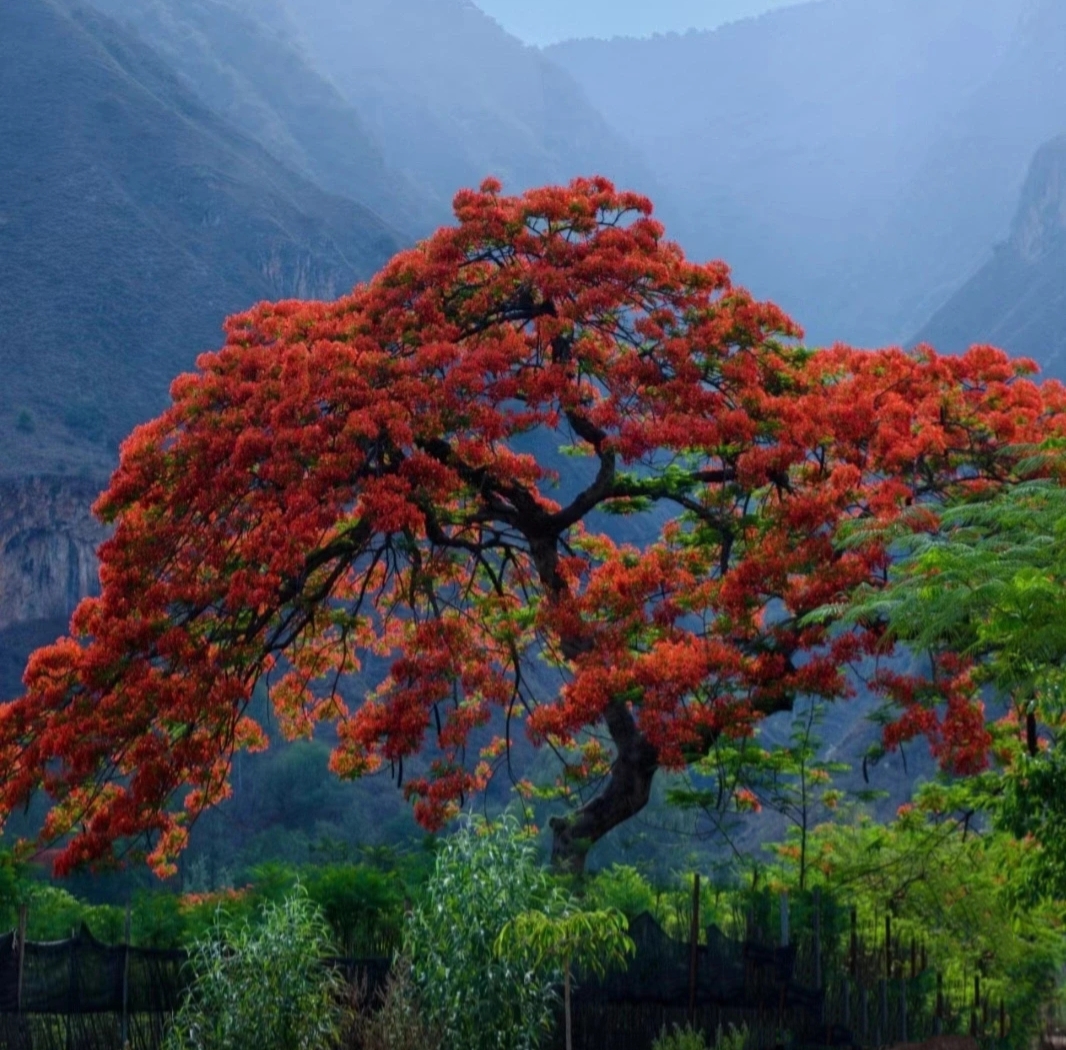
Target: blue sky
(547, 21)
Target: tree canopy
(379, 477)
(980, 593)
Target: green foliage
(678, 1038)
(790, 779)
(485, 876)
(621, 888)
(987, 584)
(12, 889)
(262, 985)
(592, 941)
(569, 937)
(953, 889)
(159, 921)
(689, 1038)
(731, 1038)
(363, 906)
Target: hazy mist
(549, 21)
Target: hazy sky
(547, 21)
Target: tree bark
(626, 793)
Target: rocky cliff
(48, 541)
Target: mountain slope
(1017, 300)
(132, 221)
(801, 145)
(453, 98)
(248, 69)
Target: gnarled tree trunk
(627, 792)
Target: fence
(79, 994)
(807, 980)
(804, 972)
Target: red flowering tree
(374, 476)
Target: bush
(687, 1038)
(395, 1022)
(485, 876)
(262, 985)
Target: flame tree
(374, 476)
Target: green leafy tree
(952, 887)
(792, 779)
(980, 589)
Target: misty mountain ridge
(1017, 300)
(243, 62)
(854, 161)
(132, 221)
(453, 98)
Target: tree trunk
(626, 793)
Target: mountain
(132, 221)
(1017, 300)
(852, 159)
(452, 98)
(244, 64)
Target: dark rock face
(48, 541)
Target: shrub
(262, 985)
(687, 1038)
(395, 1022)
(485, 875)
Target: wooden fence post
(938, 1021)
(72, 986)
(888, 945)
(23, 923)
(817, 938)
(125, 1034)
(902, 1009)
(694, 944)
(854, 944)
